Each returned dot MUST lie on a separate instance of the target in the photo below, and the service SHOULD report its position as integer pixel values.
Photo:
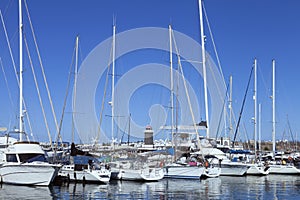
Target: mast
(230, 107)
(273, 108)
(113, 83)
(75, 87)
(204, 68)
(241, 112)
(255, 106)
(21, 70)
(225, 117)
(129, 129)
(259, 128)
(172, 86)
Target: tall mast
(172, 86)
(21, 69)
(113, 83)
(204, 67)
(273, 108)
(259, 128)
(230, 107)
(75, 87)
(255, 105)
(129, 129)
(225, 118)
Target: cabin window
(11, 158)
(32, 157)
(80, 167)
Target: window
(11, 158)
(32, 157)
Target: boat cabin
(24, 152)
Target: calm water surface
(248, 187)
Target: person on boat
(290, 159)
(206, 164)
(107, 167)
(283, 162)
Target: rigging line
(213, 42)
(180, 67)
(6, 83)
(80, 56)
(246, 135)
(65, 101)
(232, 114)
(7, 6)
(188, 97)
(124, 132)
(103, 98)
(176, 48)
(177, 52)
(75, 88)
(263, 80)
(222, 112)
(216, 53)
(290, 129)
(240, 115)
(38, 90)
(42, 68)
(14, 65)
(9, 48)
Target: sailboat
(241, 157)
(217, 160)
(24, 161)
(278, 167)
(84, 167)
(257, 168)
(137, 169)
(187, 166)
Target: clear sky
(242, 30)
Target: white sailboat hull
(258, 170)
(211, 172)
(283, 169)
(153, 174)
(233, 169)
(36, 173)
(147, 174)
(183, 172)
(88, 175)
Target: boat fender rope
(68, 177)
(75, 176)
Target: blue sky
(243, 30)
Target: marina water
(224, 187)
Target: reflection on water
(283, 187)
(24, 192)
(248, 187)
(80, 191)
